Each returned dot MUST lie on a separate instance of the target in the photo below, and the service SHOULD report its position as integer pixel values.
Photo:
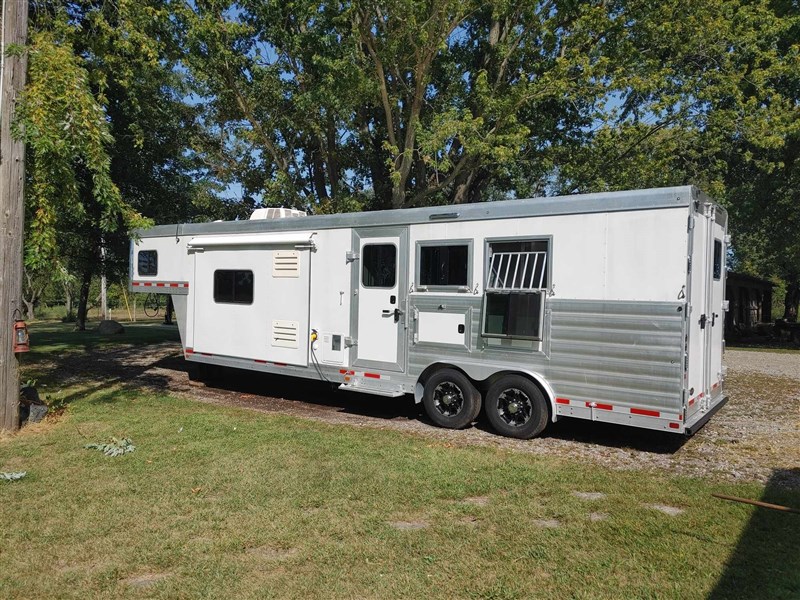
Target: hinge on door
(350, 342)
(690, 226)
(689, 266)
(351, 256)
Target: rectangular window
(513, 315)
(516, 280)
(445, 265)
(233, 287)
(147, 263)
(379, 265)
(717, 259)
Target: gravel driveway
(756, 436)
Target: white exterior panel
(613, 330)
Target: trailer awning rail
(272, 239)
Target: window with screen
(717, 259)
(379, 265)
(147, 263)
(516, 281)
(233, 287)
(443, 266)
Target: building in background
(750, 303)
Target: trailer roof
(669, 197)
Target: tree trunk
(333, 163)
(791, 301)
(168, 312)
(29, 309)
(12, 208)
(103, 286)
(318, 170)
(83, 301)
(68, 301)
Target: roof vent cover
(276, 213)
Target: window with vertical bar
(517, 266)
(516, 278)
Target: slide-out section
(251, 300)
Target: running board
(356, 385)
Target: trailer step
(369, 387)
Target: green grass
(226, 503)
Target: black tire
(450, 399)
(516, 407)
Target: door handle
(703, 319)
(396, 312)
(713, 318)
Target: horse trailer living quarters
(606, 307)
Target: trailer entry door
(379, 297)
(707, 319)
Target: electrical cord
(317, 366)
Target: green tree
(110, 135)
(707, 93)
(393, 104)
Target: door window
(379, 266)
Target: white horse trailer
(606, 307)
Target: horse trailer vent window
(147, 263)
(514, 315)
(516, 279)
(379, 266)
(444, 266)
(517, 266)
(717, 260)
(233, 287)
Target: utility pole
(13, 68)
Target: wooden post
(12, 209)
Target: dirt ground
(755, 437)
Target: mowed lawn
(225, 503)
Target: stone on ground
(110, 328)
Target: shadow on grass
(766, 561)
(96, 361)
(59, 338)
(324, 397)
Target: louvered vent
(284, 333)
(286, 264)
